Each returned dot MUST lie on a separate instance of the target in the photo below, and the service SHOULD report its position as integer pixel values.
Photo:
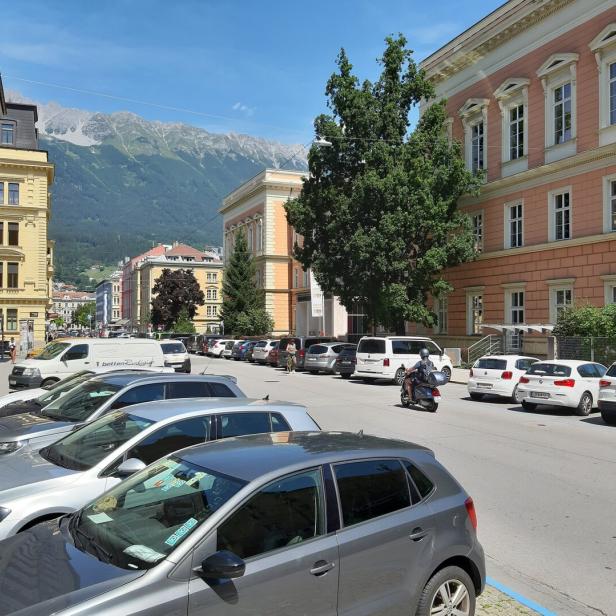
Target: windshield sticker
(180, 532)
(100, 394)
(108, 503)
(143, 552)
(176, 482)
(100, 518)
(196, 478)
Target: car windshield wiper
(86, 540)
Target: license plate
(12, 382)
(312, 359)
(345, 363)
(539, 394)
(485, 385)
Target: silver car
(100, 395)
(319, 523)
(61, 478)
(322, 357)
(262, 349)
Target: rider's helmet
(424, 353)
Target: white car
(562, 382)
(218, 347)
(607, 396)
(228, 349)
(262, 350)
(63, 477)
(386, 357)
(176, 356)
(498, 375)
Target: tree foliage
(183, 324)
(80, 316)
(175, 292)
(243, 303)
(378, 211)
(587, 321)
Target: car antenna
(361, 433)
(266, 398)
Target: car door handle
(321, 567)
(418, 534)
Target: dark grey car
(288, 523)
(302, 344)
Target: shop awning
(540, 328)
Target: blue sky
(245, 66)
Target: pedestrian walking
(13, 350)
(291, 352)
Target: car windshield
(62, 387)
(549, 370)
(142, 520)
(52, 350)
(81, 402)
(86, 447)
(173, 347)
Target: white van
(383, 357)
(62, 358)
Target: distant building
(108, 301)
(26, 255)
(66, 302)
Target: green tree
(81, 314)
(183, 324)
(378, 211)
(254, 322)
(587, 321)
(175, 291)
(241, 298)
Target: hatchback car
(344, 523)
(228, 350)
(176, 355)
(568, 383)
(262, 350)
(322, 357)
(100, 395)
(272, 357)
(302, 344)
(346, 361)
(607, 396)
(64, 476)
(498, 375)
(216, 348)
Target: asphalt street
(542, 482)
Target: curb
(529, 603)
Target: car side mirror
(129, 467)
(223, 565)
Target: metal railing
(602, 350)
(489, 345)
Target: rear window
(524, 364)
(371, 345)
(591, 371)
(310, 341)
(549, 370)
(348, 352)
(260, 344)
(407, 347)
(221, 391)
(317, 349)
(173, 347)
(285, 341)
(491, 364)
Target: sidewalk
(460, 375)
(494, 603)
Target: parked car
(176, 355)
(392, 512)
(272, 356)
(100, 395)
(236, 352)
(302, 344)
(321, 357)
(386, 357)
(569, 383)
(247, 351)
(64, 476)
(498, 375)
(229, 345)
(208, 342)
(607, 396)
(261, 351)
(346, 361)
(61, 359)
(216, 349)
(194, 344)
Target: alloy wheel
(451, 599)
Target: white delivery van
(386, 357)
(62, 358)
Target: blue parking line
(519, 598)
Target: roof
(249, 457)
(572, 363)
(184, 250)
(73, 295)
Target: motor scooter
(425, 394)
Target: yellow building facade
(26, 255)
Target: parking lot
(542, 482)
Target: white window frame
(471, 294)
(608, 200)
(441, 308)
(474, 111)
(478, 243)
(552, 213)
(259, 247)
(508, 220)
(557, 286)
(511, 94)
(609, 289)
(604, 48)
(555, 72)
(514, 339)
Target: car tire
(584, 407)
(366, 380)
(476, 397)
(399, 378)
(345, 375)
(447, 371)
(47, 382)
(447, 582)
(609, 417)
(313, 371)
(514, 396)
(528, 406)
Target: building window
(305, 279)
(1, 275)
(441, 308)
(212, 311)
(514, 226)
(259, 235)
(604, 48)
(612, 94)
(560, 216)
(477, 147)
(7, 133)
(517, 307)
(1, 193)
(1, 233)
(474, 115)
(12, 275)
(516, 132)
(563, 114)
(11, 320)
(561, 300)
(295, 278)
(13, 234)
(13, 193)
(474, 313)
(477, 224)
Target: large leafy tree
(378, 209)
(243, 303)
(85, 315)
(176, 294)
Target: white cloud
(245, 109)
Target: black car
(346, 362)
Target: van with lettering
(60, 359)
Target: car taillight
(470, 509)
(471, 372)
(565, 383)
(302, 352)
(604, 383)
(435, 392)
(524, 379)
(386, 361)
(354, 360)
(508, 375)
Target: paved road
(543, 483)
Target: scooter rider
(421, 369)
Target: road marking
(519, 598)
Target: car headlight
(11, 446)
(4, 512)
(31, 372)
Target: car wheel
(313, 371)
(447, 372)
(47, 382)
(609, 417)
(528, 406)
(449, 591)
(476, 397)
(516, 397)
(585, 405)
(345, 375)
(399, 378)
